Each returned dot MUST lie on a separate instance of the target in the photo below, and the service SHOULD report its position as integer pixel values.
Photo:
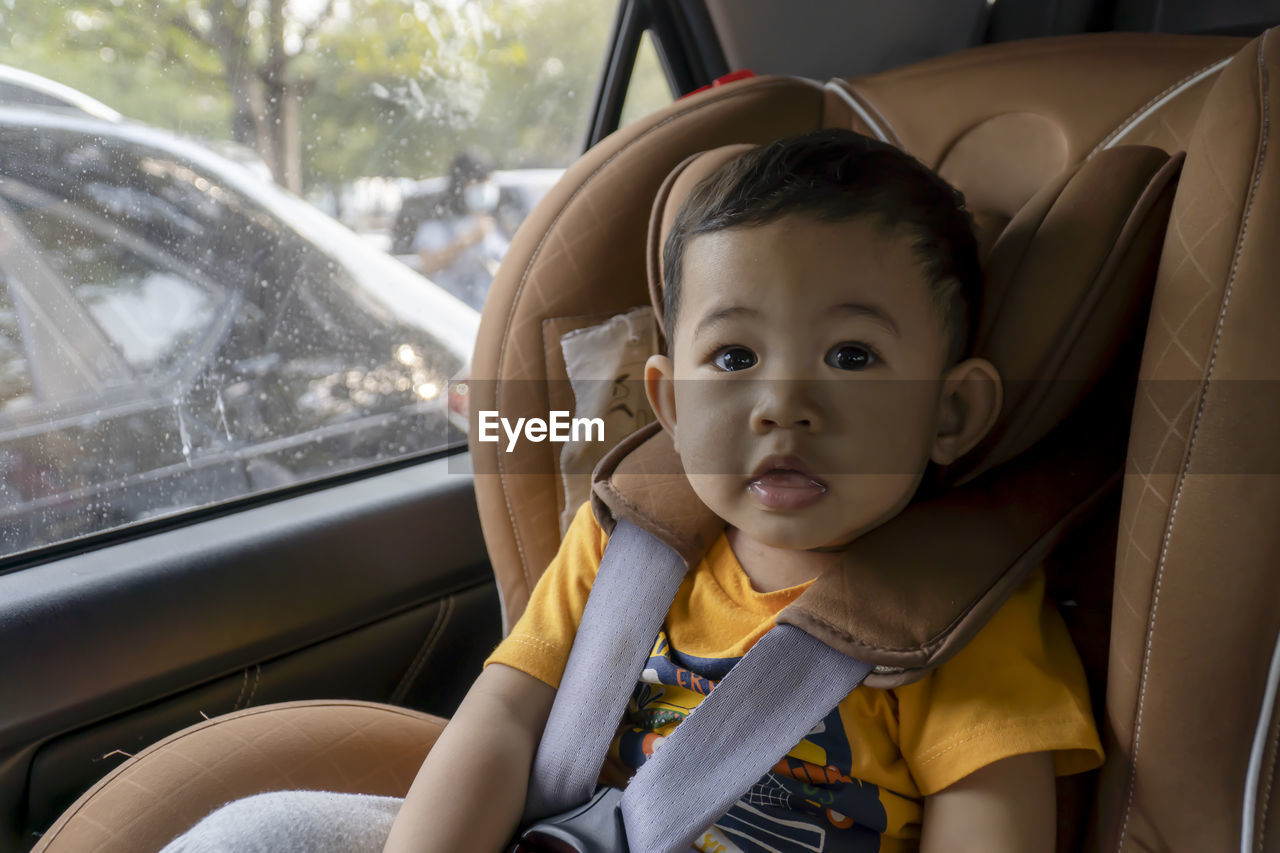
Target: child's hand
(1006, 807)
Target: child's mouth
(782, 486)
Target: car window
(15, 369)
(243, 245)
(648, 90)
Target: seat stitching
(926, 647)
(243, 687)
(424, 652)
(867, 110)
(1140, 113)
(859, 109)
(257, 679)
(669, 531)
(1266, 795)
(1263, 84)
(888, 126)
(524, 277)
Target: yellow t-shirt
(857, 782)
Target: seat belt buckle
(593, 827)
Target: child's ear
(967, 410)
(660, 388)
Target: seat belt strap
(635, 584)
(767, 703)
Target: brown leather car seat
(1000, 123)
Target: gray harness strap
(634, 587)
(733, 738)
(717, 753)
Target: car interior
(1116, 159)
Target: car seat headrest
(674, 190)
(1066, 286)
(1051, 319)
(1064, 291)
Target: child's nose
(785, 405)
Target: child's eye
(851, 357)
(734, 358)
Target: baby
(819, 298)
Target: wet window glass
(149, 306)
(15, 369)
(244, 244)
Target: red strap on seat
(731, 77)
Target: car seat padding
(582, 250)
(1069, 280)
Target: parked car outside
(22, 88)
(177, 332)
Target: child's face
(811, 388)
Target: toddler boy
(819, 299)
(820, 296)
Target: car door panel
(374, 589)
(421, 658)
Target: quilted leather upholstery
(1195, 617)
(352, 747)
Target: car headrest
(1066, 287)
(1059, 295)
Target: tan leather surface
(1086, 86)
(349, 747)
(643, 481)
(849, 108)
(674, 190)
(994, 181)
(1169, 126)
(1266, 824)
(1066, 284)
(1195, 616)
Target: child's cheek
(884, 426)
(714, 426)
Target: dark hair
(837, 175)
(471, 164)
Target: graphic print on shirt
(807, 803)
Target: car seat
(1192, 543)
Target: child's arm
(1006, 807)
(470, 792)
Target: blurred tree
(249, 44)
(327, 91)
(409, 84)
